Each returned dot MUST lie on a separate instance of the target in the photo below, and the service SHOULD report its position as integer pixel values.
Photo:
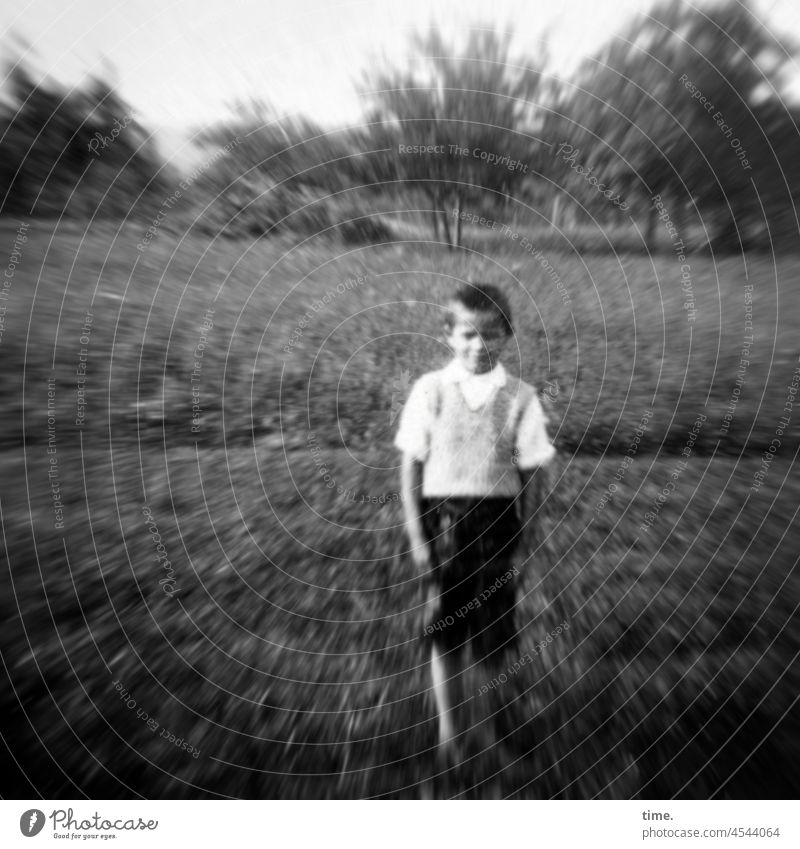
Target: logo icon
(552, 389)
(31, 822)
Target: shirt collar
(454, 372)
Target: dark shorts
(472, 586)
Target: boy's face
(477, 338)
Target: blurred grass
(622, 345)
(290, 655)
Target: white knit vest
(472, 451)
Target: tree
(459, 128)
(286, 172)
(75, 152)
(686, 103)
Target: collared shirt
(478, 450)
(476, 388)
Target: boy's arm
(525, 497)
(534, 454)
(528, 502)
(411, 488)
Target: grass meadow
(289, 652)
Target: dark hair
(479, 297)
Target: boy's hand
(421, 554)
(412, 486)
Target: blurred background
(225, 231)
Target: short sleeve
(413, 433)
(533, 445)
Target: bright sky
(181, 62)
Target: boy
(470, 435)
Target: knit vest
(471, 452)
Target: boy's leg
(449, 593)
(447, 680)
(444, 704)
(498, 637)
(444, 676)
